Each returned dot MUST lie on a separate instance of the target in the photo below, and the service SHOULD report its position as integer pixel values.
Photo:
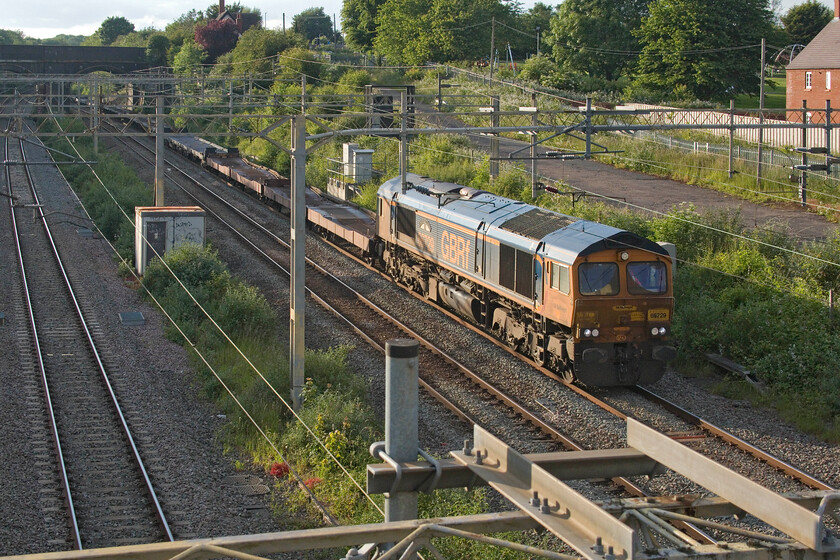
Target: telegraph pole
(297, 316)
(492, 43)
(761, 114)
(159, 155)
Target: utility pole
(403, 139)
(731, 136)
(803, 175)
(492, 43)
(538, 40)
(159, 155)
(761, 114)
(297, 316)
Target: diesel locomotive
(589, 301)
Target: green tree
(803, 21)
(256, 50)
(64, 40)
(595, 37)
(189, 57)
(297, 61)
(702, 49)
(182, 29)
(418, 31)
(538, 17)
(156, 49)
(312, 23)
(112, 28)
(12, 37)
(358, 22)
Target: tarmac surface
(648, 193)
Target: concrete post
(401, 413)
(494, 139)
(588, 153)
(761, 115)
(731, 136)
(230, 106)
(159, 156)
(534, 140)
(94, 93)
(298, 239)
(803, 175)
(403, 139)
(827, 137)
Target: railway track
(107, 494)
(697, 429)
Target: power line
(236, 347)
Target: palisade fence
(783, 139)
(773, 136)
(777, 142)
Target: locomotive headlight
(661, 330)
(595, 332)
(587, 333)
(654, 331)
(624, 255)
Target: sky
(48, 18)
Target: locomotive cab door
(480, 249)
(538, 282)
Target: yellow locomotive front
(616, 305)
(621, 319)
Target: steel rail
(100, 365)
(452, 407)
(738, 442)
(65, 482)
(496, 393)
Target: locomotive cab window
(598, 279)
(560, 277)
(647, 278)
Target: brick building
(814, 75)
(242, 20)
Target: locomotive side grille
(524, 274)
(516, 270)
(406, 222)
(507, 266)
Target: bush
(194, 265)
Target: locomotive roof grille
(537, 223)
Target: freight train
(589, 301)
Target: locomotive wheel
(567, 374)
(511, 342)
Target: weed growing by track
(756, 297)
(123, 185)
